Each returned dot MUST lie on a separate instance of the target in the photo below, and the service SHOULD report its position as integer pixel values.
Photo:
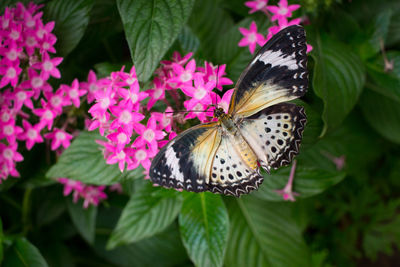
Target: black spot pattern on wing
(290, 42)
(291, 146)
(173, 166)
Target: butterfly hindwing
(278, 73)
(275, 133)
(185, 162)
(234, 170)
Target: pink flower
(102, 122)
(47, 44)
(59, 137)
(31, 134)
(257, 5)
(128, 79)
(92, 86)
(10, 54)
(93, 195)
(287, 192)
(141, 156)
(148, 135)
(48, 66)
(120, 156)
(10, 132)
(9, 153)
(156, 93)
(47, 115)
(36, 82)
(116, 188)
(57, 100)
(226, 100)
(71, 185)
(7, 116)
(104, 99)
(282, 10)
(164, 119)
(200, 93)
(216, 74)
(125, 117)
(177, 58)
(184, 76)
(120, 138)
(251, 37)
(21, 97)
(10, 75)
(132, 95)
(74, 93)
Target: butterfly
(260, 129)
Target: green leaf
(163, 249)
(263, 234)
(384, 82)
(149, 211)
(204, 226)
(83, 160)
(23, 253)
(83, 219)
(150, 28)
(393, 36)
(381, 27)
(188, 41)
(209, 22)
(72, 18)
(382, 113)
(338, 79)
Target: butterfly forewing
(278, 73)
(275, 133)
(185, 162)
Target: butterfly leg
(287, 192)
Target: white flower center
(8, 153)
(121, 155)
(21, 96)
(6, 23)
(14, 35)
(46, 45)
(5, 117)
(166, 121)
(134, 98)
(130, 80)
(157, 93)
(12, 55)
(55, 101)
(186, 76)
(93, 87)
(48, 65)
(40, 33)
(37, 82)
(11, 73)
(73, 93)
(60, 135)
(125, 117)
(200, 93)
(260, 5)
(140, 155)
(149, 135)
(30, 23)
(32, 134)
(8, 130)
(283, 11)
(122, 138)
(252, 37)
(30, 41)
(104, 103)
(48, 115)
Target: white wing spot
(278, 58)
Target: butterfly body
(260, 129)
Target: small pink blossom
(71, 185)
(92, 85)
(93, 195)
(141, 156)
(31, 134)
(10, 75)
(282, 10)
(120, 156)
(177, 58)
(183, 75)
(47, 115)
(216, 74)
(287, 192)
(59, 137)
(74, 93)
(156, 93)
(10, 132)
(120, 138)
(57, 100)
(251, 37)
(48, 66)
(200, 93)
(102, 122)
(21, 97)
(148, 135)
(257, 5)
(125, 117)
(104, 99)
(132, 95)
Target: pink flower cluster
(278, 15)
(29, 105)
(120, 105)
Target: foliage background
(345, 217)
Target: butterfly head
(219, 112)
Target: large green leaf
(204, 226)
(22, 254)
(72, 18)
(208, 22)
(163, 249)
(393, 36)
(264, 234)
(149, 211)
(83, 160)
(150, 28)
(83, 219)
(382, 113)
(338, 79)
(386, 82)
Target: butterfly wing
(275, 133)
(278, 73)
(185, 162)
(204, 158)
